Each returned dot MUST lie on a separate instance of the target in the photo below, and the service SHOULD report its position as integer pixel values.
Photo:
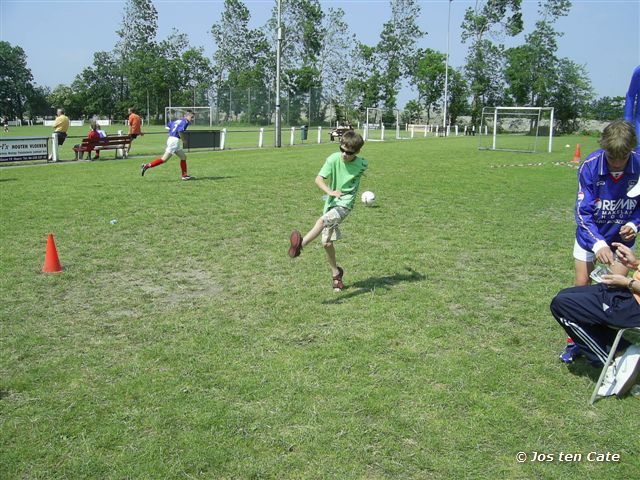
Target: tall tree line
(326, 71)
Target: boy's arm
(587, 228)
(320, 182)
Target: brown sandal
(337, 280)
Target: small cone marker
(51, 260)
(576, 156)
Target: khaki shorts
(332, 219)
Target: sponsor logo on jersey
(609, 209)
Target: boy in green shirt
(344, 170)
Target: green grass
(182, 342)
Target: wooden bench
(110, 142)
(338, 132)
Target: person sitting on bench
(94, 136)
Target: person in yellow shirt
(60, 126)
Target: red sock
(156, 162)
(183, 167)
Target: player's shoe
(296, 244)
(571, 352)
(187, 177)
(338, 286)
(143, 168)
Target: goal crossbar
(529, 112)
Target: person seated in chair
(591, 314)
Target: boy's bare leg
(313, 233)
(583, 269)
(331, 257)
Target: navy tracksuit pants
(587, 313)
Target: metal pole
(446, 73)
(278, 54)
(147, 106)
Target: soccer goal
(400, 135)
(204, 115)
(373, 127)
(516, 129)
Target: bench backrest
(110, 140)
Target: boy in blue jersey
(173, 146)
(604, 213)
(344, 170)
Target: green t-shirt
(345, 176)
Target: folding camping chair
(610, 358)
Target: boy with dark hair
(173, 146)
(344, 170)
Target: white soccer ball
(368, 198)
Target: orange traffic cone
(51, 260)
(576, 156)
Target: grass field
(182, 341)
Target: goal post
(398, 126)
(204, 116)
(374, 127)
(516, 129)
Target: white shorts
(583, 255)
(175, 148)
(331, 220)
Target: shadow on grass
(8, 179)
(371, 283)
(582, 368)
(211, 178)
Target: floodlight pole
(446, 74)
(278, 53)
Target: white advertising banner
(15, 149)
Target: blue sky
(603, 35)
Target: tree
(606, 108)
(139, 27)
(241, 63)
(485, 59)
(137, 50)
(531, 68)
(15, 80)
(37, 102)
(571, 95)
(427, 74)
(335, 64)
(63, 96)
(397, 46)
(413, 111)
(458, 96)
(96, 86)
(364, 88)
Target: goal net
(373, 127)
(516, 129)
(402, 132)
(204, 115)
